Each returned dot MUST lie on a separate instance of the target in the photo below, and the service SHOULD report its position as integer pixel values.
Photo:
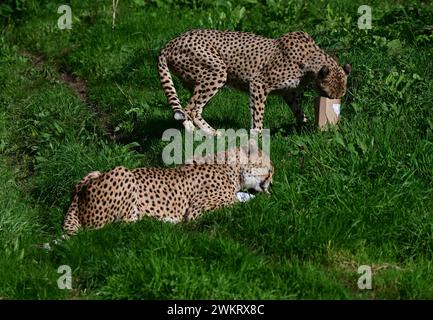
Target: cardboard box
(327, 112)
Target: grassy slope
(363, 196)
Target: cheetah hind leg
(180, 115)
(198, 102)
(189, 125)
(205, 127)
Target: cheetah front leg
(293, 103)
(258, 94)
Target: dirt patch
(78, 86)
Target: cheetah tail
(72, 223)
(169, 89)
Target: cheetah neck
(317, 60)
(238, 181)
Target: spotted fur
(208, 59)
(171, 194)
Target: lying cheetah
(208, 59)
(173, 194)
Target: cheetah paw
(255, 132)
(210, 132)
(189, 126)
(301, 121)
(218, 133)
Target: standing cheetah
(208, 59)
(172, 194)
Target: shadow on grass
(148, 132)
(145, 132)
(293, 129)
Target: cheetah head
(331, 80)
(256, 173)
(257, 178)
(254, 165)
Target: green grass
(359, 195)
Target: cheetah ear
(323, 72)
(347, 69)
